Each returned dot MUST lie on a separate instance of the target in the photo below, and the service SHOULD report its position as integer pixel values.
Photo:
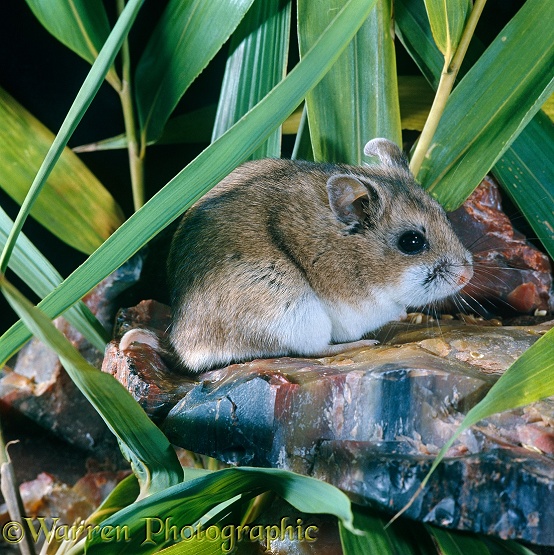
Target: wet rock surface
(371, 420)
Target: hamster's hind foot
(338, 348)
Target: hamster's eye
(412, 242)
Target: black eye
(412, 242)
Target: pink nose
(465, 276)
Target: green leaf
(196, 546)
(71, 194)
(452, 543)
(414, 31)
(525, 169)
(447, 20)
(529, 379)
(192, 127)
(399, 538)
(28, 263)
(84, 97)
(186, 503)
(491, 105)
(257, 62)
(500, 547)
(123, 495)
(187, 37)
(527, 175)
(82, 25)
(203, 173)
(362, 85)
(151, 455)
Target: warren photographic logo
(162, 532)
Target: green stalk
(446, 84)
(136, 154)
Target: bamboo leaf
(82, 25)
(191, 127)
(451, 543)
(447, 21)
(413, 29)
(203, 546)
(188, 502)
(362, 85)
(151, 455)
(379, 539)
(204, 172)
(28, 263)
(489, 108)
(529, 379)
(71, 193)
(87, 92)
(500, 547)
(120, 497)
(258, 61)
(187, 37)
(528, 178)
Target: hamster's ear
(387, 152)
(350, 199)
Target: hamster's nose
(465, 275)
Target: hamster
(293, 258)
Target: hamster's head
(413, 255)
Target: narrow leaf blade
(29, 264)
(358, 99)
(258, 61)
(188, 502)
(150, 453)
(528, 178)
(451, 543)
(187, 37)
(489, 108)
(82, 25)
(447, 20)
(71, 194)
(377, 538)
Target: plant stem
(10, 490)
(136, 156)
(446, 83)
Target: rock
(509, 271)
(141, 369)
(39, 388)
(370, 421)
(61, 505)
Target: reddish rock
(39, 388)
(509, 271)
(142, 369)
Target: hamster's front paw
(343, 347)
